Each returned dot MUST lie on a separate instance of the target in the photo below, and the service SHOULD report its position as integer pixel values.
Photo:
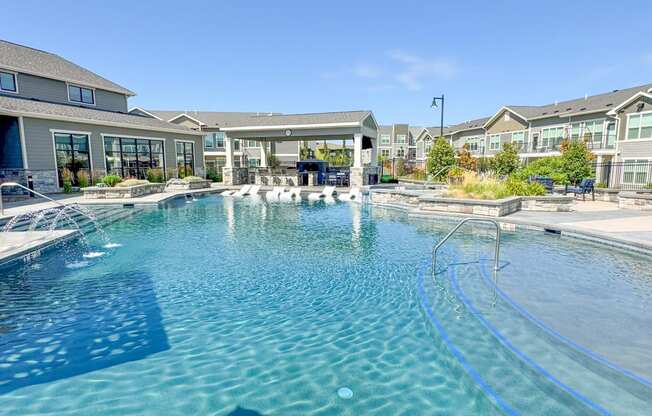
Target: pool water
(234, 307)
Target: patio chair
(353, 195)
(275, 193)
(545, 181)
(292, 194)
(329, 191)
(240, 192)
(586, 187)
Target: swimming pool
(221, 305)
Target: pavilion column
(228, 147)
(357, 150)
(230, 175)
(263, 154)
(374, 153)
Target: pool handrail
(459, 224)
(8, 184)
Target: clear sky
(313, 56)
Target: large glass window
(72, 155)
(494, 141)
(639, 126)
(81, 94)
(132, 158)
(8, 82)
(593, 132)
(401, 139)
(551, 137)
(386, 153)
(385, 139)
(635, 172)
(185, 159)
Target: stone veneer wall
(94, 192)
(547, 203)
(606, 194)
(490, 208)
(235, 176)
(189, 185)
(635, 200)
(45, 181)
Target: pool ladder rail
(441, 242)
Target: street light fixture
(434, 105)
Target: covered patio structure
(358, 126)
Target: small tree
(576, 160)
(466, 161)
(506, 161)
(440, 156)
(305, 151)
(323, 152)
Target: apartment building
(56, 115)
(398, 141)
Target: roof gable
(629, 101)
(32, 61)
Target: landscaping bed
(117, 192)
(181, 185)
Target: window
(412, 154)
(236, 145)
(253, 162)
(8, 82)
(219, 140)
(209, 141)
(593, 131)
(400, 152)
(551, 137)
(251, 144)
(635, 172)
(386, 153)
(81, 94)
(401, 138)
(575, 131)
(132, 158)
(72, 154)
(611, 135)
(185, 159)
(384, 139)
(494, 141)
(472, 144)
(518, 139)
(639, 126)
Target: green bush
(111, 180)
(387, 179)
(551, 167)
(189, 179)
(506, 161)
(82, 179)
(440, 156)
(155, 175)
(214, 176)
(131, 182)
(519, 187)
(576, 161)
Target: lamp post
(434, 105)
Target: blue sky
(389, 57)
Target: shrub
(474, 187)
(466, 161)
(66, 178)
(551, 167)
(82, 179)
(189, 179)
(155, 175)
(519, 187)
(440, 156)
(387, 179)
(111, 180)
(506, 161)
(601, 185)
(131, 182)
(214, 175)
(576, 161)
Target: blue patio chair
(586, 187)
(543, 180)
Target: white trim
(622, 174)
(286, 154)
(628, 101)
(292, 126)
(66, 80)
(200, 123)
(121, 136)
(15, 74)
(95, 122)
(23, 145)
(88, 135)
(642, 113)
(93, 104)
(146, 112)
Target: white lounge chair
(253, 190)
(329, 191)
(240, 192)
(275, 193)
(292, 194)
(354, 194)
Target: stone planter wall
(550, 203)
(188, 186)
(606, 194)
(94, 192)
(493, 208)
(635, 200)
(395, 197)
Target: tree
(576, 160)
(440, 156)
(305, 151)
(323, 152)
(466, 161)
(506, 161)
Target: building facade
(57, 117)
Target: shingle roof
(41, 109)
(209, 118)
(469, 125)
(591, 103)
(21, 58)
(299, 119)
